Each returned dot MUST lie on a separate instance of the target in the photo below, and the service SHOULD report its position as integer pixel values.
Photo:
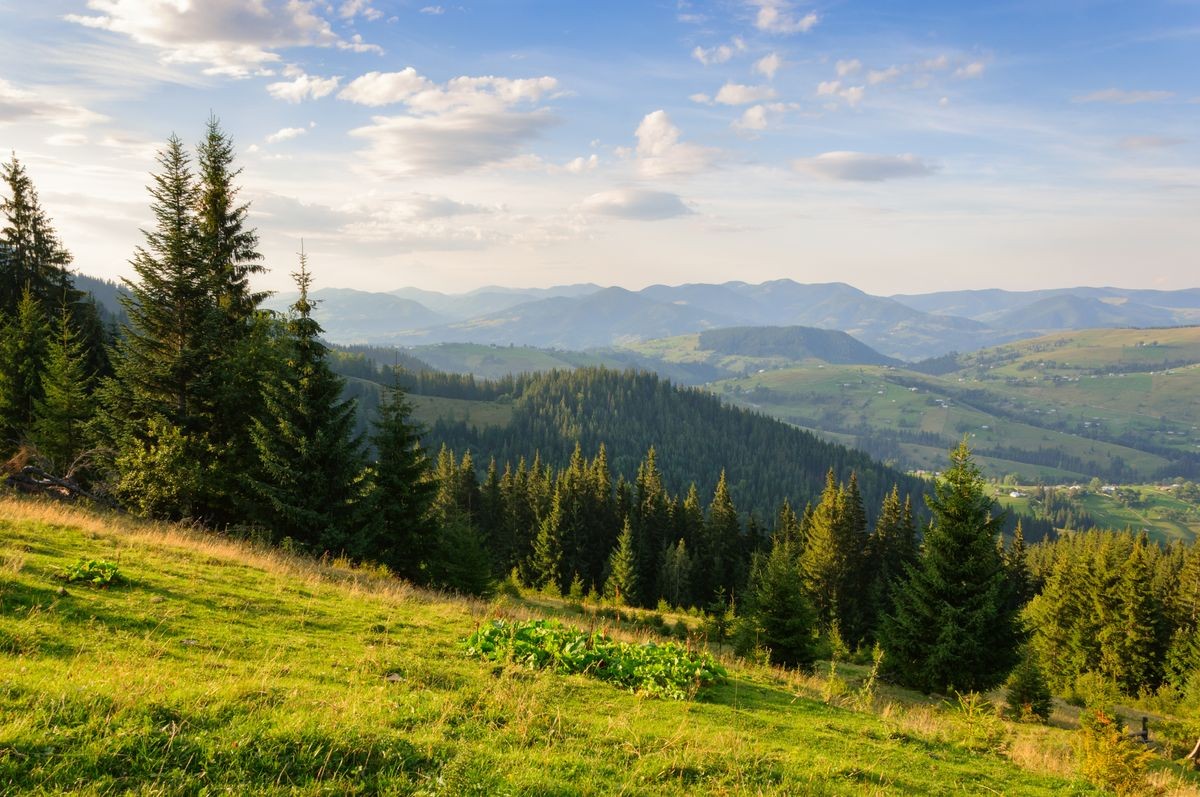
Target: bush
(1108, 758)
(662, 670)
(1028, 693)
(983, 730)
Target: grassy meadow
(216, 666)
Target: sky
(899, 147)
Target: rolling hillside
(216, 666)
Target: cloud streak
(861, 167)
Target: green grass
(1165, 516)
(216, 667)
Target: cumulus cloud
(581, 164)
(753, 119)
(848, 67)
(936, 64)
(636, 203)
(719, 54)
(778, 16)
(660, 153)
(863, 167)
(357, 45)
(352, 8)
(853, 95)
(768, 65)
(877, 76)
(828, 88)
(18, 104)
(433, 10)
(1123, 97)
(286, 134)
(303, 87)
(231, 37)
(464, 123)
(971, 70)
(739, 94)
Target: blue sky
(900, 147)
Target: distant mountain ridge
(587, 316)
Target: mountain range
(586, 316)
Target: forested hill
(693, 433)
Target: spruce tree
(953, 626)
(828, 560)
(778, 611)
(310, 464)
(404, 536)
(23, 353)
(721, 538)
(676, 576)
(31, 257)
(890, 550)
(63, 414)
(621, 585)
(544, 568)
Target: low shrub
(666, 670)
(1108, 758)
(96, 572)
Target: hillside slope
(221, 668)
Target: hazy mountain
(489, 299)
(993, 306)
(1082, 312)
(350, 316)
(795, 343)
(604, 318)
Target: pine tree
(544, 569)
(721, 538)
(310, 464)
(953, 626)
(62, 416)
(776, 606)
(404, 534)
(890, 550)
(1027, 693)
(650, 521)
(676, 576)
(31, 257)
(828, 558)
(23, 356)
(1017, 566)
(622, 584)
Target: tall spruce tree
(621, 586)
(829, 558)
(31, 257)
(158, 406)
(24, 341)
(403, 532)
(776, 611)
(891, 549)
(66, 408)
(720, 541)
(311, 465)
(953, 626)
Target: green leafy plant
(667, 670)
(97, 572)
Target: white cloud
(352, 8)
(719, 54)
(828, 87)
(286, 134)
(67, 140)
(303, 87)
(703, 99)
(848, 67)
(971, 70)
(580, 165)
(878, 76)
(357, 45)
(231, 37)
(385, 88)
(17, 105)
(768, 65)
(753, 119)
(465, 123)
(636, 203)
(1150, 142)
(1123, 97)
(863, 167)
(433, 10)
(777, 16)
(739, 94)
(660, 153)
(853, 95)
(936, 64)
